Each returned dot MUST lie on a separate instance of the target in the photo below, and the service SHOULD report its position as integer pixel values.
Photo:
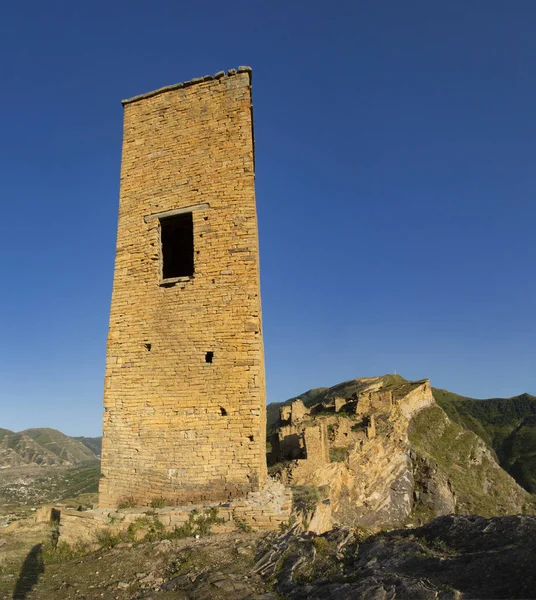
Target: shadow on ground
(29, 574)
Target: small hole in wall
(223, 411)
(205, 218)
(251, 438)
(213, 281)
(209, 357)
(148, 347)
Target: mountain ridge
(42, 447)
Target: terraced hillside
(42, 447)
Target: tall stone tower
(184, 388)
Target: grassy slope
(45, 447)
(518, 453)
(61, 445)
(19, 449)
(94, 444)
(480, 486)
(508, 425)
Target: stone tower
(184, 387)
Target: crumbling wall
(376, 401)
(184, 386)
(417, 399)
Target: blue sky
(395, 187)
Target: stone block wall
(184, 386)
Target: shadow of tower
(32, 567)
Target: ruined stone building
(184, 387)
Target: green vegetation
(480, 486)
(127, 503)
(94, 444)
(62, 552)
(151, 529)
(323, 566)
(338, 454)
(81, 480)
(242, 526)
(158, 502)
(32, 486)
(306, 497)
(63, 446)
(518, 453)
(507, 425)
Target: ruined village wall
(176, 426)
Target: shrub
(306, 497)
(145, 529)
(242, 525)
(339, 454)
(106, 538)
(198, 524)
(63, 552)
(127, 503)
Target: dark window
(209, 356)
(177, 241)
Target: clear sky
(395, 187)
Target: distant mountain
(94, 444)
(43, 447)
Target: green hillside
(94, 444)
(44, 447)
(63, 446)
(518, 453)
(18, 449)
(507, 425)
(480, 485)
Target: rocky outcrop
(367, 456)
(451, 558)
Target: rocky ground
(453, 557)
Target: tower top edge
(184, 84)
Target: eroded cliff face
(371, 458)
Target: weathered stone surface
(264, 510)
(177, 425)
(451, 558)
(369, 469)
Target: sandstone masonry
(184, 387)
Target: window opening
(177, 245)
(209, 356)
